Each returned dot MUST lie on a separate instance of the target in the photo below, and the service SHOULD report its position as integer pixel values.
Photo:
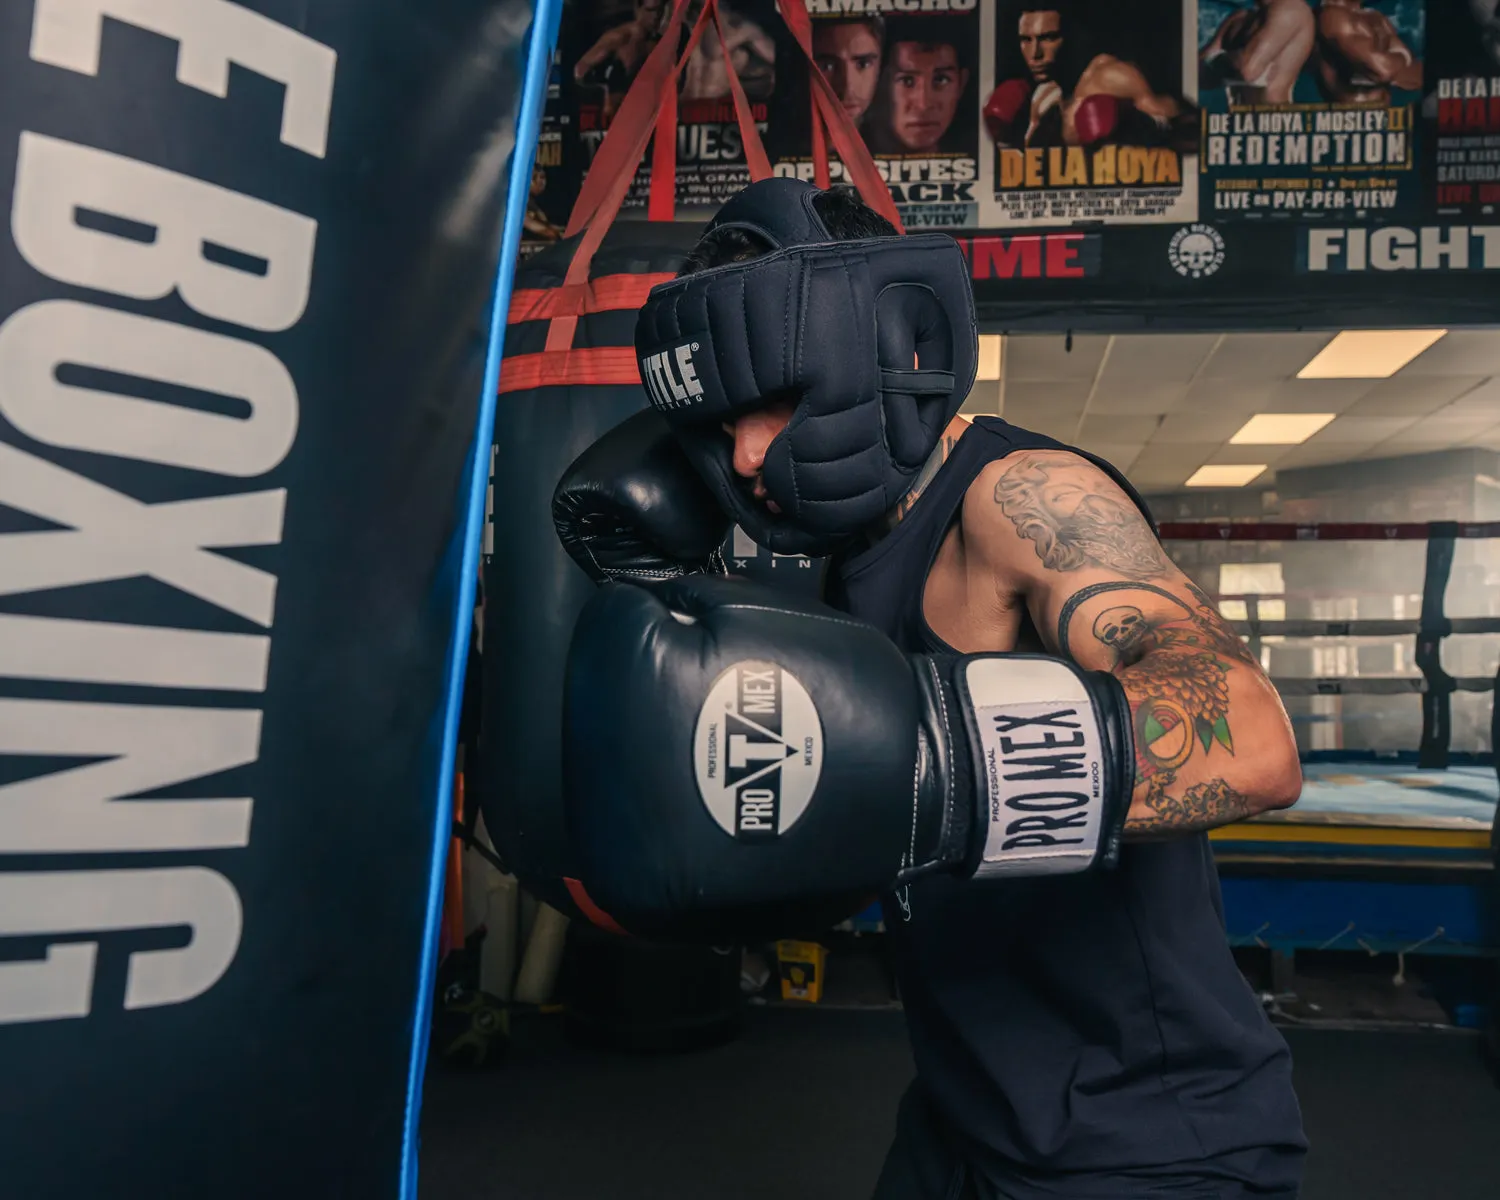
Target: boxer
(1014, 716)
(612, 61)
(1360, 57)
(924, 82)
(1257, 53)
(1076, 99)
(849, 54)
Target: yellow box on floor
(800, 965)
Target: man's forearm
(1183, 745)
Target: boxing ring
(1391, 848)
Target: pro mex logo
(757, 750)
(1038, 747)
(671, 378)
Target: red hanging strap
(661, 201)
(755, 150)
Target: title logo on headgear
(757, 750)
(670, 377)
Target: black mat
(802, 1106)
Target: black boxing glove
(632, 506)
(737, 760)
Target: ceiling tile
(983, 397)
(1148, 483)
(1137, 397)
(1181, 459)
(1319, 454)
(1102, 427)
(1032, 357)
(1361, 429)
(1483, 399)
(1317, 395)
(1050, 421)
(1120, 455)
(1462, 352)
(1463, 424)
(1158, 356)
(1054, 396)
(1263, 355)
(1407, 444)
(1239, 395)
(1229, 453)
(1438, 433)
(1412, 395)
(1203, 426)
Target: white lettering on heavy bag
(42, 337)
(113, 536)
(144, 748)
(211, 34)
(143, 655)
(190, 233)
(56, 179)
(71, 902)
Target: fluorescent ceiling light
(1369, 353)
(1225, 475)
(1280, 429)
(989, 356)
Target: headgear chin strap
(872, 341)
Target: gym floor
(802, 1105)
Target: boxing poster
(1461, 112)
(606, 43)
(1090, 113)
(1310, 108)
(910, 83)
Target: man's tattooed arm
(1212, 741)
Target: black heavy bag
(249, 253)
(553, 403)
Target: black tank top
(1083, 1036)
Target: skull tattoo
(1122, 628)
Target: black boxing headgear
(873, 341)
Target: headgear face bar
(873, 341)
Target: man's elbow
(1281, 780)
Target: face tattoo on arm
(1055, 505)
(1107, 596)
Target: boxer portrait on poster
(926, 99)
(1010, 715)
(1064, 79)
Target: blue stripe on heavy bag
(239, 380)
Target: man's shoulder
(1106, 71)
(1023, 486)
(1030, 467)
(1335, 19)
